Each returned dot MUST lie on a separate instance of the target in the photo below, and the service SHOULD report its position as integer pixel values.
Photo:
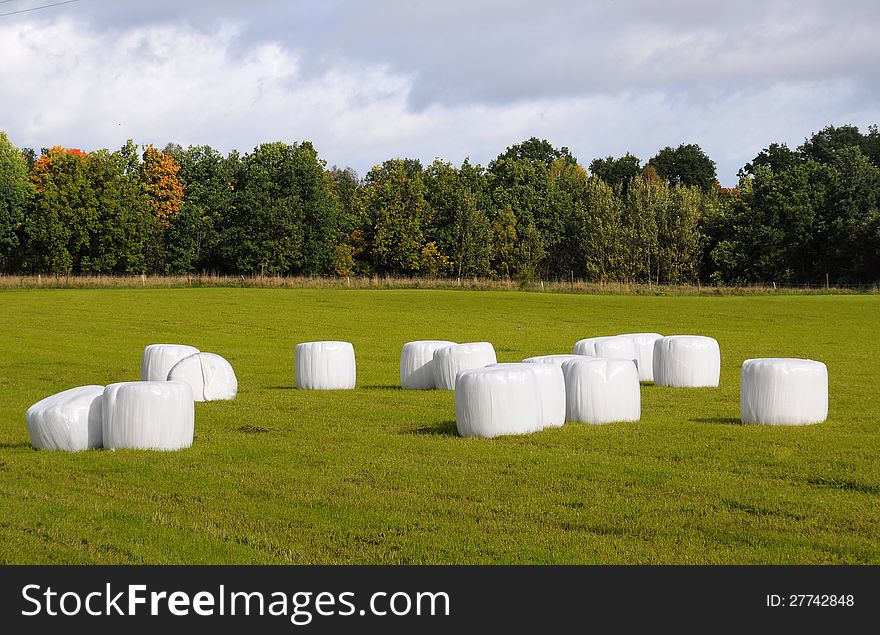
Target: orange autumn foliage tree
(158, 174)
(40, 170)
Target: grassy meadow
(378, 475)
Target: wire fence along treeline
(807, 216)
(215, 280)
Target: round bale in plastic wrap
(556, 360)
(783, 391)
(148, 415)
(602, 390)
(209, 375)
(644, 345)
(158, 359)
(687, 361)
(68, 420)
(417, 364)
(551, 387)
(491, 402)
(451, 360)
(610, 346)
(325, 366)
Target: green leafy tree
(565, 202)
(849, 220)
(194, 238)
(15, 193)
(460, 224)
(823, 146)
(643, 216)
(504, 243)
(777, 157)
(264, 226)
(685, 165)
(519, 179)
(395, 213)
(321, 210)
(89, 214)
(617, 172)
(600, 232)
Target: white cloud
(69, 83)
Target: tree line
(795, 216)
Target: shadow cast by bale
(440, 429)
(730, 421)
(380, 387)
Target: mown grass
(377, 475)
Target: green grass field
(378, 475)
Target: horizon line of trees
(799, 215)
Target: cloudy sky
(372, 79)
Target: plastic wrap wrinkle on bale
(159, 359)
(148, 415)
(644, 347)
(556, 360)
(783, 391)
(551, 386)
(451, 360)
(210, 376)
(687, 361)
(417, 364)
(69, 420)
(602, 390)
(611, 346)
(492, 401)
(325, 366)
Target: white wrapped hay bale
(451, 360)
(417, 364)
(602, 390)
(325, 366)
(687, 361)
(69, 420)
(148, 415)
(783, 391)
(158, 359)
(209, 375)
(609, 346)
(556, 360)
(493, 401)
(551, 387)
(644, 347)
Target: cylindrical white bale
(492, 401)
(644, 345)
(617, 347)
(68, 420)
(602, 390)
(209, 375)
(551, 385)
(325, 366)
(417, 364)
(148, 415)
(687, 361)
(610, 346)
(783, 391)
(556, 360)
(158, 359)
(451, 360)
